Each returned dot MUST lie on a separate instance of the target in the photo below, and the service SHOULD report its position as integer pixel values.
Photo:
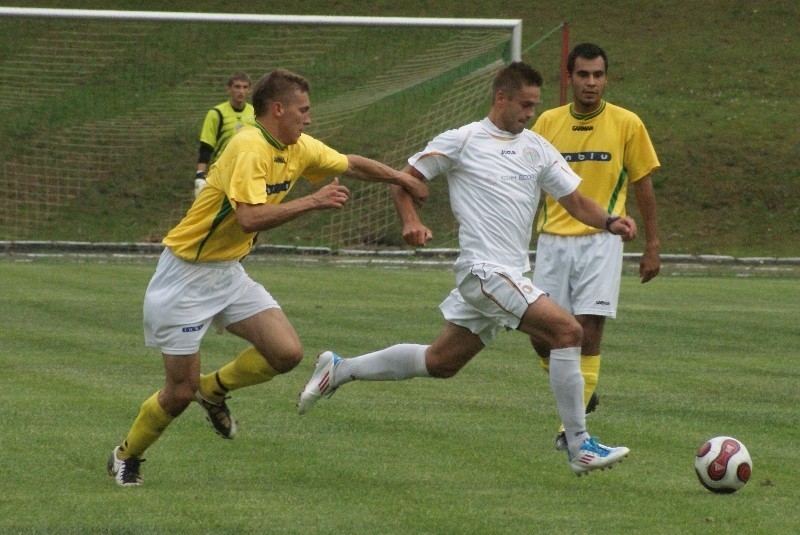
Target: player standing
(577, 265)
(221, 123)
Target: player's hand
(649, 265)
(333, 195)
(624, 227)
(417, 234)
(199, 182)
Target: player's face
(518, 110)
(588, 81)
(294, 116)
(238, 91)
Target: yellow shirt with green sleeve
(254, 169)
(607, 148)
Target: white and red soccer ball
(723, 465)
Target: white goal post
(103, 109)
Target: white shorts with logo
(184, 298)
(580, 273)
(487, 298)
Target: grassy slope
(708, 78)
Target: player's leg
(276, 349)
(452, 349)
(595, 294)
(551, 274)
(256, 317)
(590, 357)
(545, 320)
(155, 415)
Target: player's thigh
(549, 325)
(273, 336)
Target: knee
(569, 334)
(286, 359)
(541, 347)
(442, 371)
(175, 398)
(441, 367)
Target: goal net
(102, 112)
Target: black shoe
(594, 401)
(219, 415)
(125, 471)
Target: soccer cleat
(561, 438)
(320, 383)
(594, 456)
(124, 471)
(219, 415)
(594, 401)
(561, 442)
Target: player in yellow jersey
(221, 123)
(200, 281)
(579, 266)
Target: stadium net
(103, 110)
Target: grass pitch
(688, 358)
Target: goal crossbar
(514, 25)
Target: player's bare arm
(650, 262)
(590, 213)
(372, 171)
(258, 217)
(414, 232)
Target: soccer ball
(723, 465)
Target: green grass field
(689, 358)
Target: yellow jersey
(254, 169)
(607, 148)
(222, 122)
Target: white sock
(401, 361)
(566, 382)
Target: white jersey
(495, 179)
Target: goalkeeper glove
(199, 182)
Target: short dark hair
(586, 51)
(275, 86)
(238, 76)
(513, 76)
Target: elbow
(248, 224)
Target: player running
(495, 170)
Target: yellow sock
(146, 429)
(247, 369)
(590, 368)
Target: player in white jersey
(495, 169)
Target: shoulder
(618, 113)
(454, 137)
(311, 146)
(553, 113)
(247, 136)
(222, 106)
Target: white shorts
(488, 298)
(580, 273)
(184, 298)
